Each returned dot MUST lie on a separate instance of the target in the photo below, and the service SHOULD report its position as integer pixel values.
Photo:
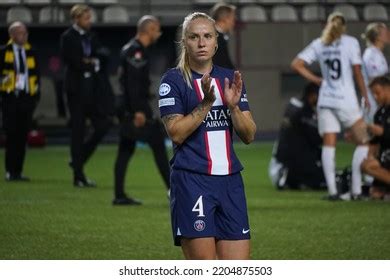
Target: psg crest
(199, 225)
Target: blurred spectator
(79, 50)
(137, 122)
(296, 160)
(377, 163)
(19, 90)
(225, 20)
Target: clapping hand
(233, 91)
(208, 90)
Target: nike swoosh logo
(245, 231)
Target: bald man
(137, 121)
(19, 91)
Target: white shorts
(332, 120)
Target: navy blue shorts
(208, 206)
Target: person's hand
(139, 119)
(208, 90)
(375, 129)
(366, 104)
(233, 91)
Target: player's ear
(216, 48)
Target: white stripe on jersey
(218, 152)
(218, 94)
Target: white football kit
(337, 103)
(374, 65)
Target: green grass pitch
(50, 219)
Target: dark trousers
(155, 139)
(17, 118)
(82, 147)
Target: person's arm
(180, 127)
(357, 72)
(243, 122)
(134, 89)
(299, 66)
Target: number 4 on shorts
(198, 207)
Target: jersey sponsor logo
(217, 118)
(166, 102)
(245, 231)
(199, 225)
(164, 89)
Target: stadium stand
(37, 2)
(312, 13)
(115, 14)
(253, 13)
(373, 12)
(103, 2)
(19, 13)
(349, 11)
(51, 14)
(10, 2)
(284, 13)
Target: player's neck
(379, 45)
(201, 68)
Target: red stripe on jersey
(197, 90)
(221, 92)
(228, 152)
(210, 163)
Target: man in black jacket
(138, 122)
(296, 160)
(225, 20)
(377, 163)
(19, 91)
(79, 50)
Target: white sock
(358, 156)
(329, 167)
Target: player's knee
(360, 132)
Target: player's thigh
(192, 205)
(233, 249)
(328, 122)
(199, 248)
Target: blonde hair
(183, 63)
(78, 9)
(335, 27)
(372, 32)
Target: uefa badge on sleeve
(199, 225)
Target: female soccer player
(340, 60)
(200, 104)
(374, 62)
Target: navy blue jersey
(209, 149)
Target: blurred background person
(225, 20)
(377, 163)
(340, 61)
(296, 160)
(19, 90)
(374, 61)
(79, 50)
(137, 121)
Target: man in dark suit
(79, 50)
(225, 20)
(19, 91)
(138, 123)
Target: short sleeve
(371, 66)
(355, 53)
(170, 96)
(308, 54)
(243, 104)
